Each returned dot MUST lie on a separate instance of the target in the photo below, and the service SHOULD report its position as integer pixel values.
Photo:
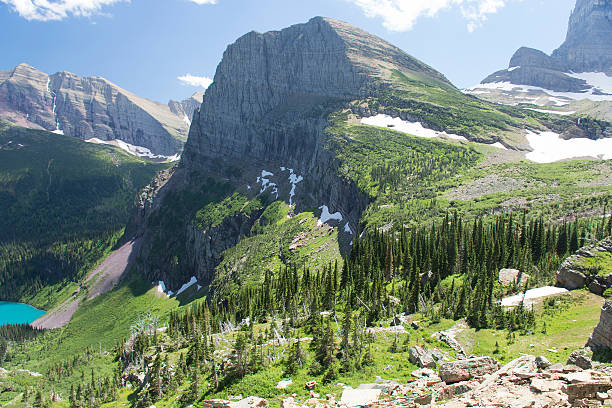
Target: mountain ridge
(88, 107)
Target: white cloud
(401, 15)
(48, 10)
(202, 82)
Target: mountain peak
(284, 74)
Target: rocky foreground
(527, 381)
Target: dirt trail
(99, 281)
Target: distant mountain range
(93, 108)
(581, 68)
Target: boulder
(542, 362)
(281, 385)
(310, 385)
(360, 396)
(588, 390)
(421, 357)
(452, 390)
(601, 339)
(463, 370)
(289, 403)
(542, 385)
(512, 277)
(570, 279)
(250, 402)
(581, 359)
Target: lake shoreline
(18, 313)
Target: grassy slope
(99, 324)
(270, 248)
(63, 205)
(412, 179)
(563, 326)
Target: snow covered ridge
(413, 128)
(548, 147)
(161, 287)
(139, 151)
(598, 81)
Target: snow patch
(512, 68)
(498, 145)
(548, 147)
(562, 113)
(187, 285)
(529, 297)
(161, 287)
(327, 216)
(186, 120)
(294, 179)
(597, 80)
(412, 128)
(266, 183)
(139, 151)
(347, 228)
(509, 87)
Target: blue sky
(145, 45)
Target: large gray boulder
(601, 339)
(421, 357)
(581, 359)
(575, 274)
(463, 370)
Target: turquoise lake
(17, 313)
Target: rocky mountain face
(187, 107)
(264, 116)
(587, 48)
(268, 89)
(88, 107)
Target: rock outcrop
(421, 357)
(88, 108)
(587, 48)
(583, 269)
(463, 370)
(601, 339)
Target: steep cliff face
(587, 49)
(266, 112)
(86, 108)
(588, 46)
(265, 102)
